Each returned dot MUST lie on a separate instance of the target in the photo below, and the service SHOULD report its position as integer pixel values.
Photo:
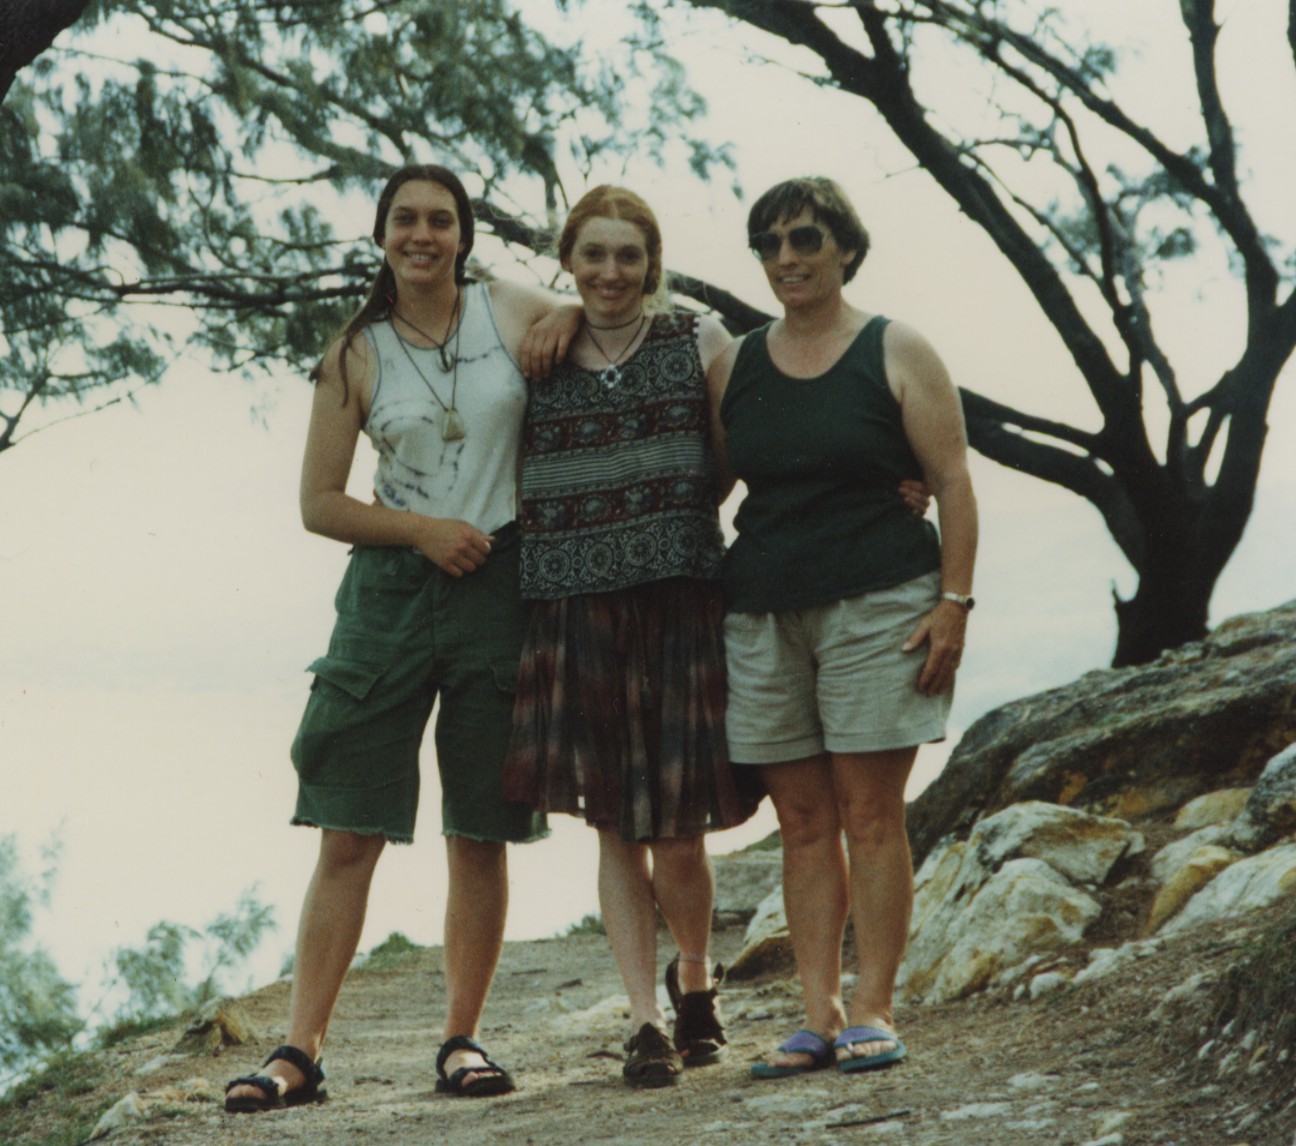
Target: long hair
(828, 205)
(381, 298)
(609, 202)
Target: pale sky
(162, 600)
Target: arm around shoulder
(718, 374)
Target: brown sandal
(699, 1037)
(651, 1061)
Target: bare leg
(630, 916)
(870, 793)
(328, 934)
(474, 936)
(814, 888)
(684, 887)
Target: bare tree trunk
(27, 28)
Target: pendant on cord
(452, 426)
(610, 376)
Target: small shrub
(589, 925)
(391, 952)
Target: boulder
(976, 932)
(767, 944)
(1081, 847)
(1270, 813)
(1239, 889)
(1184, 882)
(745, 879)
(219, 1023)
(1131, 742)
(1174, 855)
(1219, 807)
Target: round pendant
(611, 376)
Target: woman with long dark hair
(429, 610)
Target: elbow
(312, 515)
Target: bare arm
(519, 308)
(933, 422)
(718, 373)
(327, 508)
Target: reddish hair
(609, 202)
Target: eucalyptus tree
(182, 173)
(1095, 206)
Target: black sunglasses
(807, 240)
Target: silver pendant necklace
(452, 424)
(611, 374)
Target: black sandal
(271, 1099)
(699, 1037)
(651, 1061)
(499, 1081)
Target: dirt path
(1080, 1067)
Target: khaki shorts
(831, 678)
(408, 634)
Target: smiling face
(421, 235)
(800, 280)
(609, 261)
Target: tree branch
(29, 27)
(989, 434)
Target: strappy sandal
(699, 1037)
(271, 1099)
(497, 1081)
(651, 1061)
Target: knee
(477, 855)
(873, 824)
(678, 860)
(348, 852)
(807, 820)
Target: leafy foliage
(193, 156)
(156, 976)
(391, 952)
(38, 1011)
(40, 1016)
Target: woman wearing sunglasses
(846, 612)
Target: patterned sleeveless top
(619, 482)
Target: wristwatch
(959, 599)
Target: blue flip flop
(868, 1061)
(802, 1042)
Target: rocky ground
(1099, 1064)
(1115, 859)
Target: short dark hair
(828, 205)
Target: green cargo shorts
(408, 635)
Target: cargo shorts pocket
(355, 678)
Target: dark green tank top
(822, 459)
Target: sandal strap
(673, 991)
(263, 1083)
(806, 1042)
(464, 1043)
(312, 1071)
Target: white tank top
(474, 478)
